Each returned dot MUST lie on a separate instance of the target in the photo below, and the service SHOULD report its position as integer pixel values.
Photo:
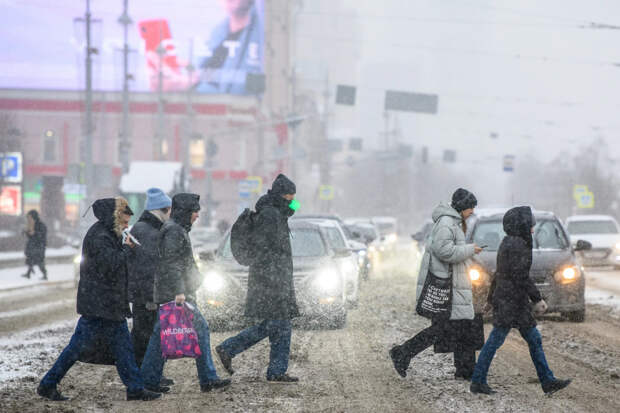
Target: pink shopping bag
(178, 337)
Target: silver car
(317, 273)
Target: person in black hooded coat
(271, 292)
(35, 246)
(101, 335)
(177, 279)
(510, 294)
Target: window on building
(49, 146)
(197, 153)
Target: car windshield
(386, 227)
(365, 231)
(592, 227)
(334, 237)
(547, 235)
(304, 243)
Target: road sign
(11, 200)
(509, 163)
(244, 188)
(411, 102)
(583, 197)
(256, 184)
(326, 192)
(11, 167)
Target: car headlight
(347, 267)
(327, 280)
(361, 253)
(77, 259)
(372, 249)
(569, 273)
(618, 246)
(213, 282)
(391, 238)
(474, 274)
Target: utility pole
(292, 130)
(159, 132)
(125, 145)
(189, 129)
(88, 158)
(325, 168)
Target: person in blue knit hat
(142, 270)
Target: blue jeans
(495, 341)
(279, 333)
(87, 331)
(153, 363)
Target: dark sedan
(319, 281)
(556, 269)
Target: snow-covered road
(340, 370)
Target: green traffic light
(294, 205)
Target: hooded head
(183, 206)
(275, 196)
(109, 211)
(462, 199)
(283, 186)
(518, 222)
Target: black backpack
(241, 238)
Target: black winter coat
(145, 263)
(512, 288)
(102, 290)
(178, 272)
(271, 292)
(35, 246)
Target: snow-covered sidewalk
(12, 277)
(49, 253)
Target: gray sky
(521, 69)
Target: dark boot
(225, 359)
(462, 376)
(215, 384)
(285, 378)
(157, 389)
(50, 393)
(143, 395)
(551, 387)
(401, 363)
(481, 388)
(165, 381)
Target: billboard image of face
(208, 45)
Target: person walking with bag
(177, 280)
(101, 335)
(271, 292)
(142, 269)
(455, 328)
(36, 232)
(510, 294)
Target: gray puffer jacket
(445, 246)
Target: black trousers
(464, 357)
(41, 266)
(143, 323)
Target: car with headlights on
(602, 232)
(348, 259)
(317, 275)
(556, 268)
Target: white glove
(540, 307)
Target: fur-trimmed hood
(108, 211)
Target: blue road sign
(11, 167)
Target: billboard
(44, 45)
(11, 200)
